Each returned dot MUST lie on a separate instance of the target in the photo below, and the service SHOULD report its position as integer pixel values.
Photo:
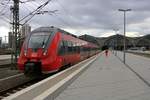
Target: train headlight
(45, 53)
(25, 53)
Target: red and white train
(48, 49)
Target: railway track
(5, 66)
(5, 62)
(14, 90)
(7, 84)
(18, 87)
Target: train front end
(35, 57)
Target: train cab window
(38, 40)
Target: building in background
(10, 39)
(25, 30)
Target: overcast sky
(93, 17)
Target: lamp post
(124, 51)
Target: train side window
(72, 49)
(69, 47)
(78, 49)
(65, 47)
(61, 48)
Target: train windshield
(38, 40)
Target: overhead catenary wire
(4, 19)
(27, 17)
(49, 13)
(33, 13)
(39, 11)
(31, 8)
(28, 7)
(5, 5)
(3, 12)
(61, 19)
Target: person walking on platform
(106, 52)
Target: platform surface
(109, 79)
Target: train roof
(44, 29)
(52, 28)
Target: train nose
(32, 69)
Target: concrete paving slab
(106, 79)
(138, 63)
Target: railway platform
(109, 79)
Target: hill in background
(116, 41)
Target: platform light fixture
(124, 50)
